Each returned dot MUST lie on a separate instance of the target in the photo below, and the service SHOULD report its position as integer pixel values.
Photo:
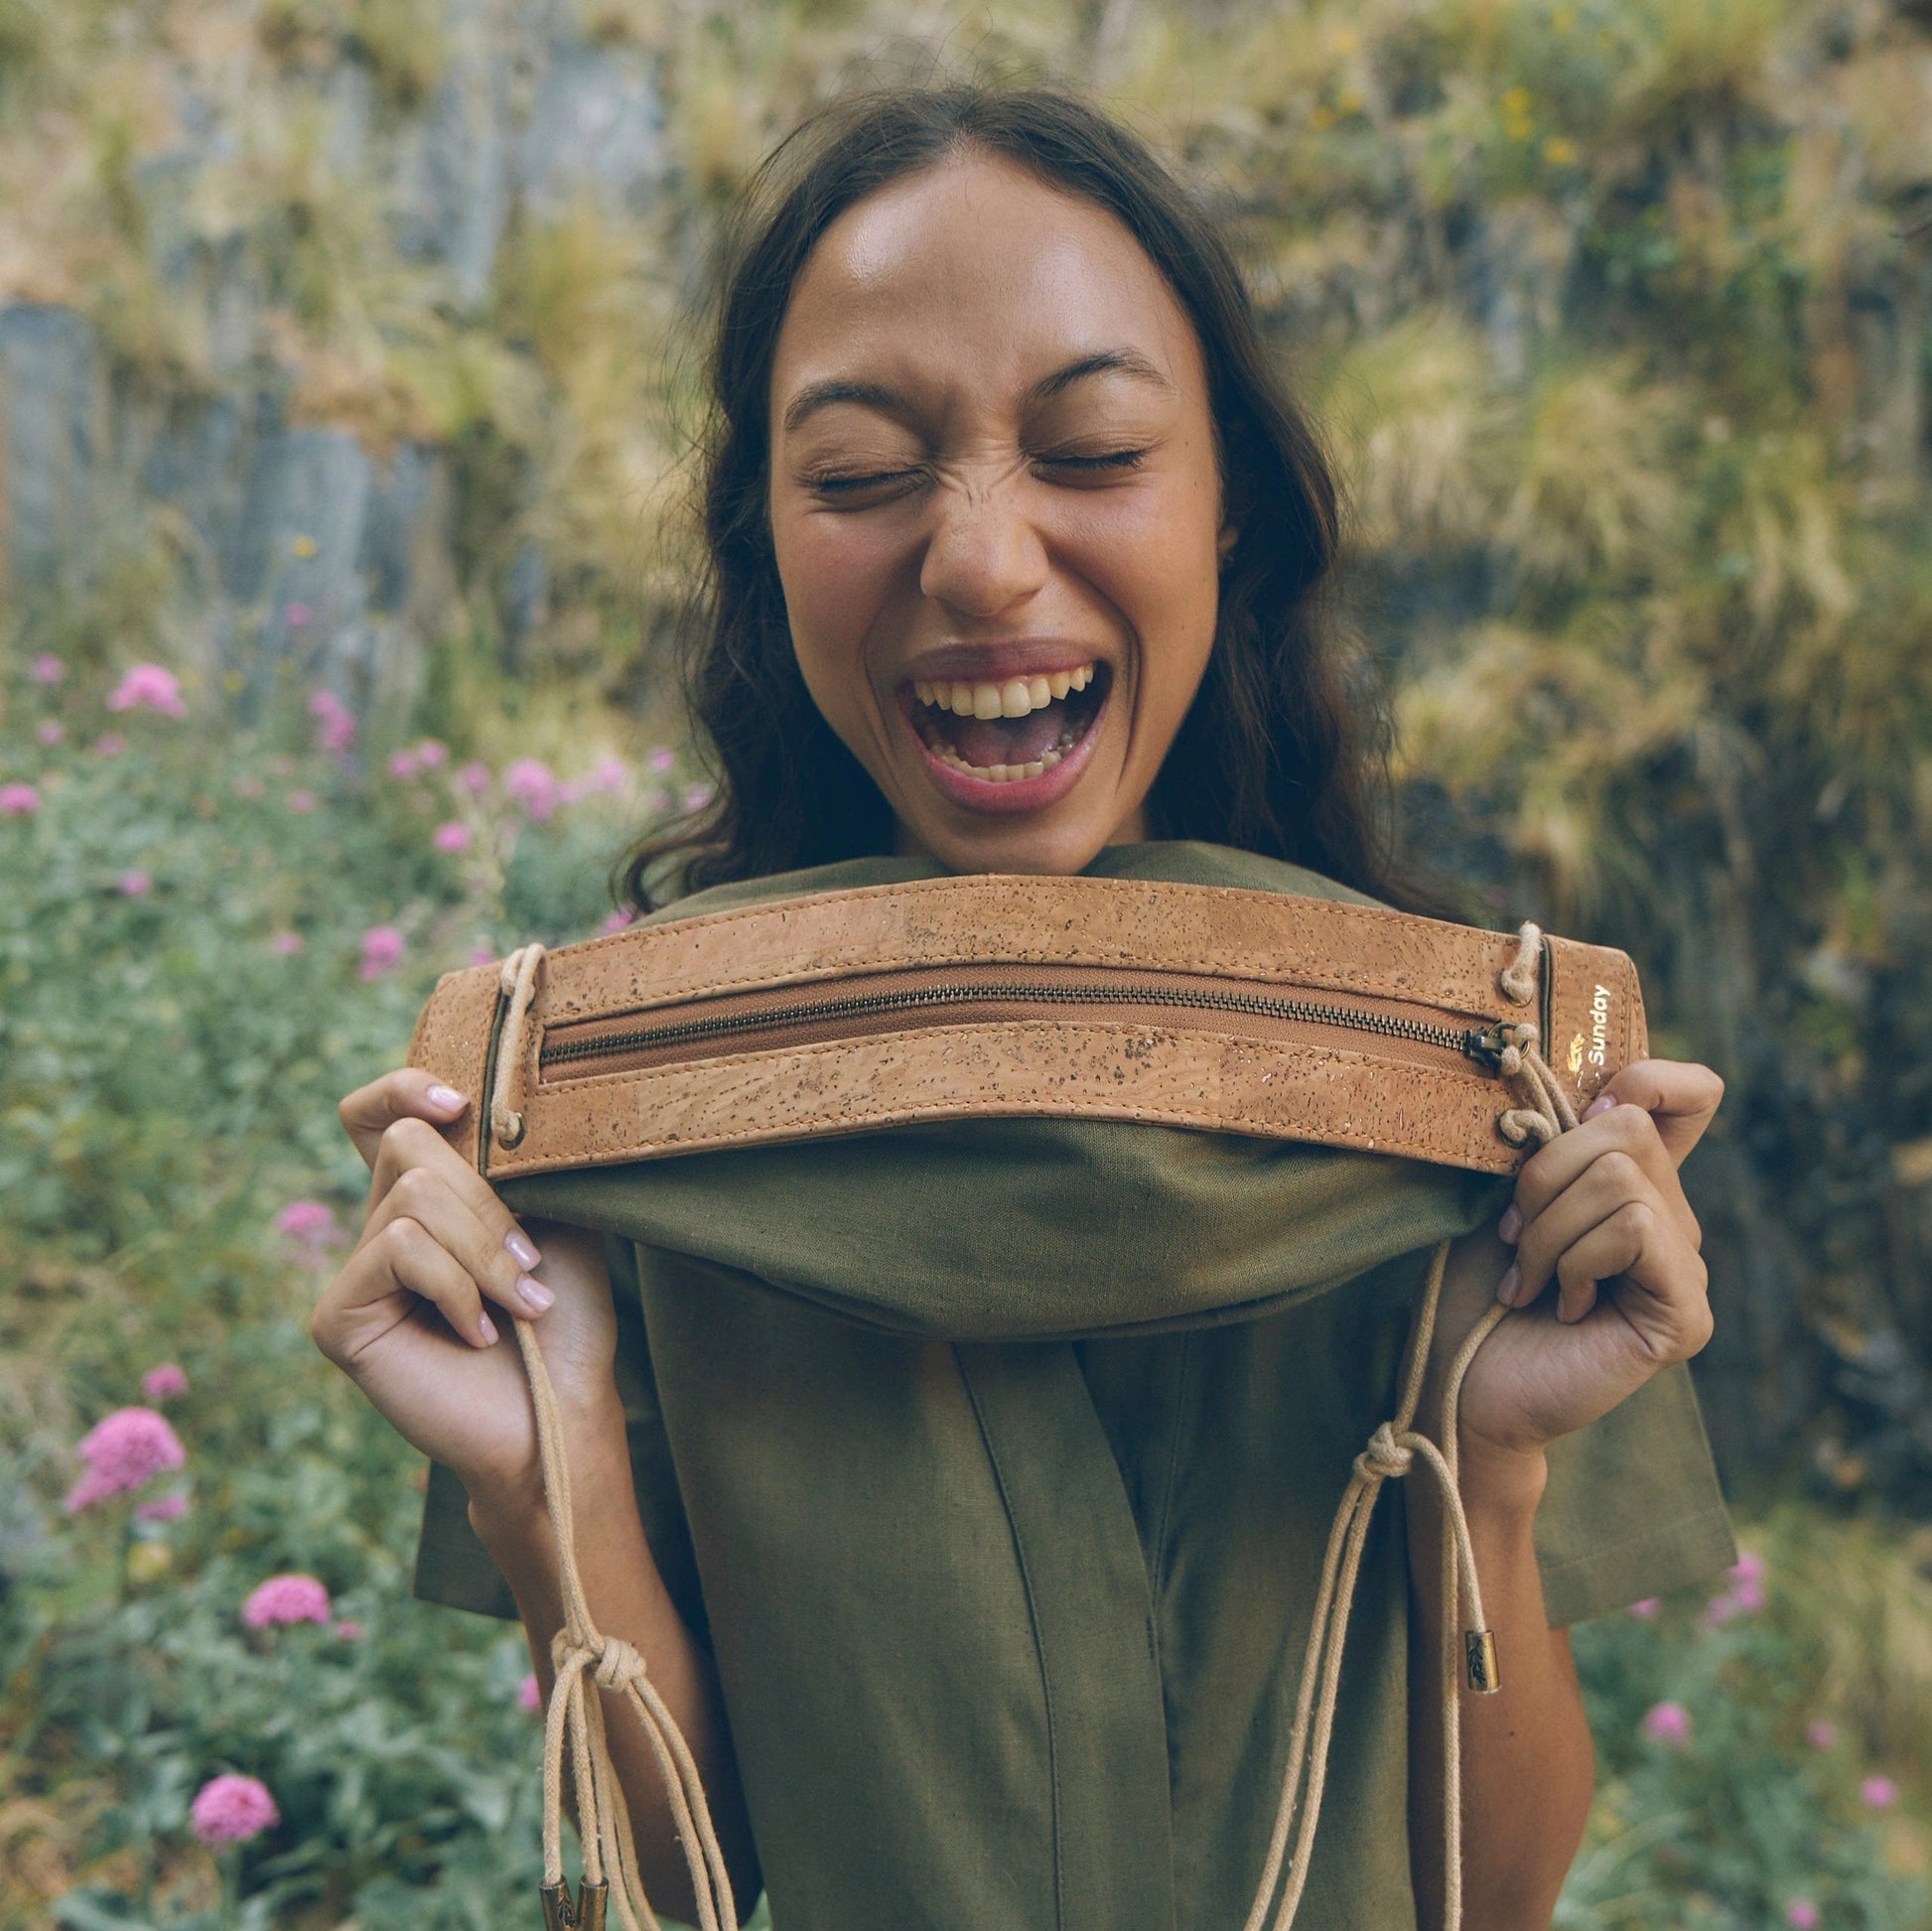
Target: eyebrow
(888, 401)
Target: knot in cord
(608, 1661)
(1385, 1458)
(618, 1663)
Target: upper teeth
(1013, 699)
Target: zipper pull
(1486, 1045)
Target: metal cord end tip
(586, 1914)
(1479, 1653)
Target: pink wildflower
(124, 1451)
(1646, 1610)
(1668, 1723)
(382, 949)
(296, 614)
(1821, 1736)
(136, 885)
(287, 944)
(301, 800)
(481, 956)
(111, 743)
(402, 764)
(286, 1598)
(660, 758)
(430, 753)
(1801, 1915)
(607, 775)
(148, 687)
(312, 1222)
(335, 726)
(232, 1810)
(1745, 1595)
(571, 789)
(1878, 1793)
(18, 801)
(619, 920)
(164, 1508)
(161, 1382)
(697, 796)
(533, 784)
(348, 1630)
(249, 787)
(46, 669)
(529, 1696)
(451, 837)
(50, 731)
(474, 776)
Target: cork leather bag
(1115, 999)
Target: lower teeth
(1000, 773)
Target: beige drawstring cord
(576, 1720)
(579, 1650)
(1392, 1453)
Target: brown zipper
(918, 997)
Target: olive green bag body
(991, 1406)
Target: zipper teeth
(856, 1004)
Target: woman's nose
(984, 555)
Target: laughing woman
(976, 1616)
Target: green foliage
(1724, 1796)
(183, 1001)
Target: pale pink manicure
(445, 1096)
(521, 1252)
(1601, 1104)
(1511, 1224)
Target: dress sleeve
(1634, 1508)
(455, 1569)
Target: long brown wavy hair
(1285, 749)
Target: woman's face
(996, 510)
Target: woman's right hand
(406, 1319)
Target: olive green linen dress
(994, 1462)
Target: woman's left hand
(1607, 1282)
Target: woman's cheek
(837, 575)
(1153, 558)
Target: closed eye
(833, 487)
(1115, 460)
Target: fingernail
(521, 1252)
(535, 1293)
(445, 1096)
(1511, 1224)
(488, 1330)
(1601, 1104)
(1507, 1286)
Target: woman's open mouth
(1012, 743)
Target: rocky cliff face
(270, 536)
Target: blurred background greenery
(350, 346)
